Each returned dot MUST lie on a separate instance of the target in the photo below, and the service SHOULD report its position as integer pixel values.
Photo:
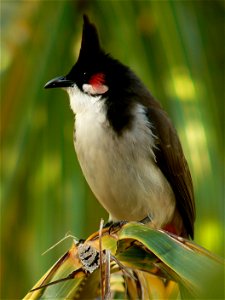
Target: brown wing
(172, 162)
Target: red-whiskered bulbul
(127, 147)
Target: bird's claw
(115, 226)
(146, 220)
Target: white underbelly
(129, 192)
(122, 173)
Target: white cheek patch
(95, 89)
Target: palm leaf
(145, 263)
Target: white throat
(81, 102)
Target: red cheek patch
(96, 84)
(97, 79)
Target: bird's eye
(85, 77)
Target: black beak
(59, 82)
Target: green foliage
(136, 252)
(176, 47)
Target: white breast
(121, 170)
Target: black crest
(90, 45)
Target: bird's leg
(108, 224)
(115, 226)
(146, 220)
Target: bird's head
(97, 76)
(89, 72)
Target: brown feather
(171, 160)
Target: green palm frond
(145, 263)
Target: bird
(128, 149)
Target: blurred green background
(176, 47)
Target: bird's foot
(107, 224)
(146, 220)
(115, 226)
(149, 221)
